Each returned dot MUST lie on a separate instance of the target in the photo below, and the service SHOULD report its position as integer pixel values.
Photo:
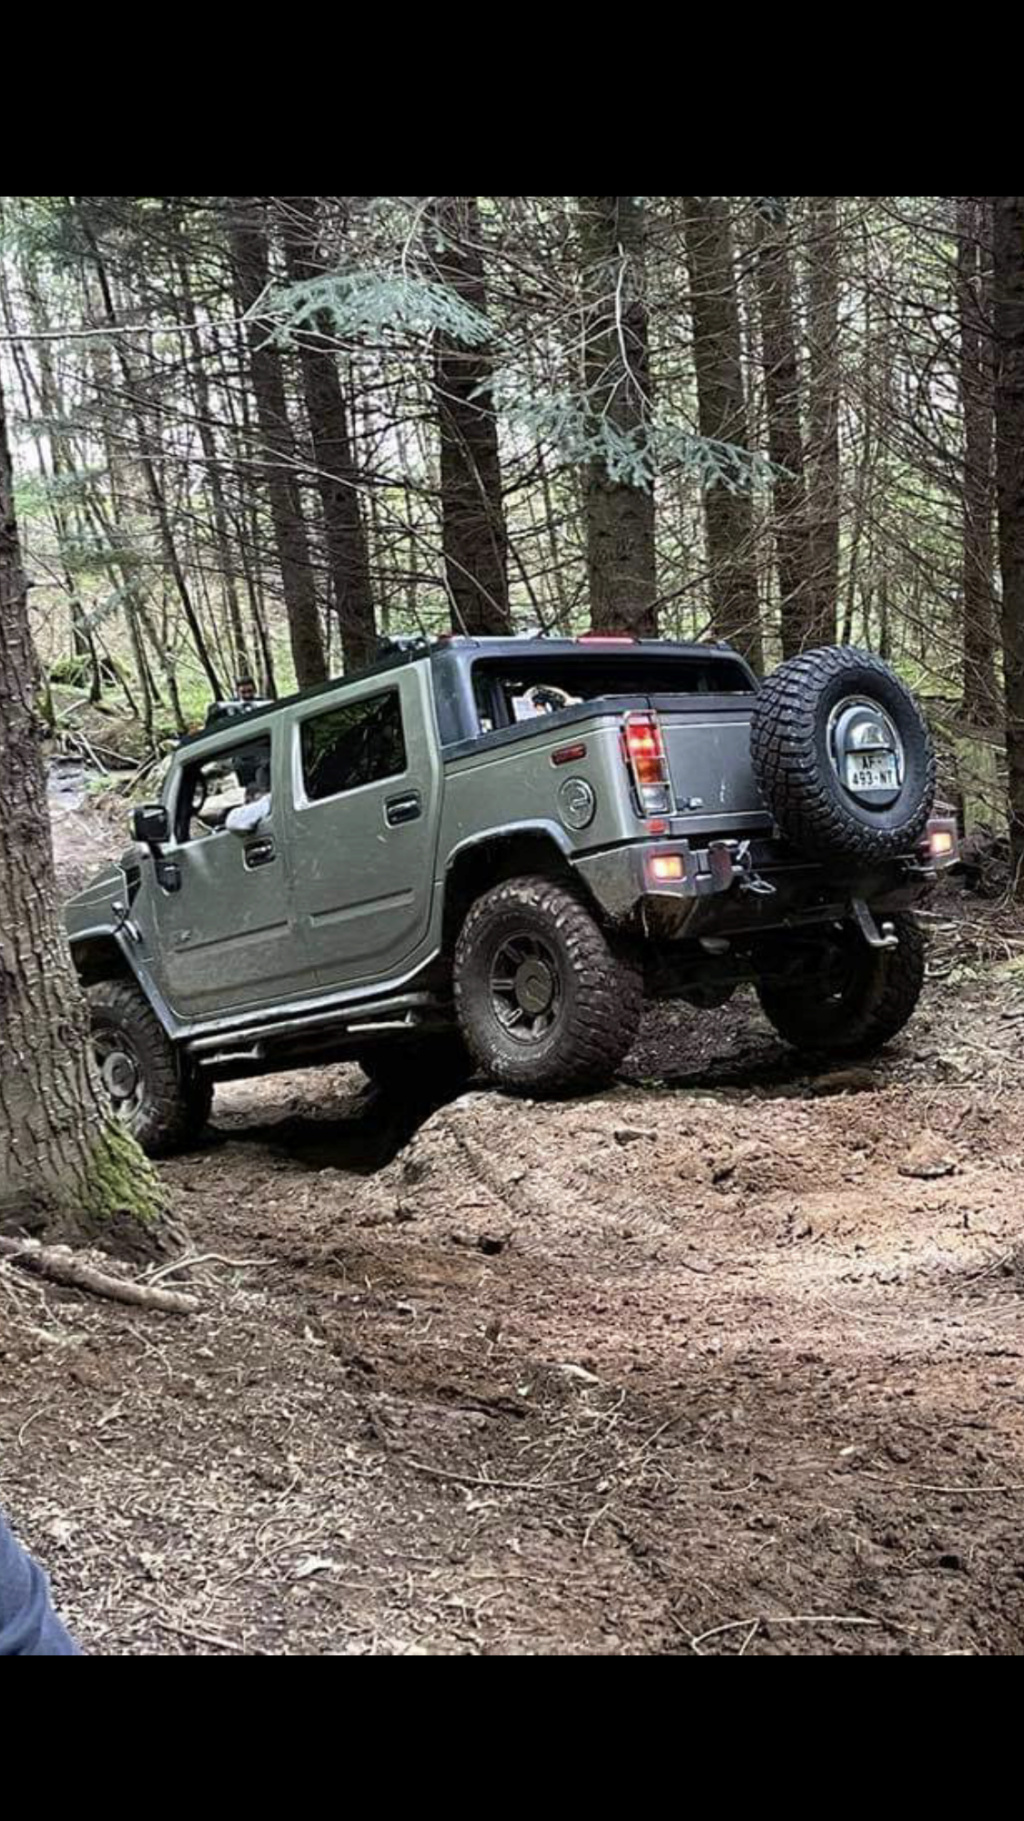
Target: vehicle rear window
(353, 744)
(508, 692)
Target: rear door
(366, 783)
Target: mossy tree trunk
(61, 1156)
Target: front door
(227, 939)
(366, 795)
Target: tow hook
(749, 880)
(885, 937)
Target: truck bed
(706, 738)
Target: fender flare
(106, 940)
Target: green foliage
(72, 673)
(363, 304)
(633, 458)
(62, 489)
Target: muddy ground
(727, 1360)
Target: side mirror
(151, 825)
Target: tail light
(606, 638)
(644, 750)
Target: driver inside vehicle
(226, 788)
(257, 805)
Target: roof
(393, 661)
(457, 645)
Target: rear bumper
(678, 889)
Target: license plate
(879, 775)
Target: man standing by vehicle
(29, 1627)
(243, 700)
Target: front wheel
(164, 1105)
(838, 996)
(547, 1005)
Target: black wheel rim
(526, 990)
(120, 1072)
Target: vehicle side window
(213, 787)
(353, 744)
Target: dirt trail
(727, 1359)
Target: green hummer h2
(481, 854)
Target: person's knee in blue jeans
(29, 1627)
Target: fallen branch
(205, 1258)
(60, 1265)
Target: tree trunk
(722, 416)
(473, 533)
(348, 558)
(249, 253)
(785, 440)
(823, 420)
(39, 384)
(1008, 327)
(621, 563)
(973, 235)
(101, 357)
(211, 458)
(61, 1155)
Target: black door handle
(401, 809)
(259, 853)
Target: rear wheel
(163, 1104)
(840, 997)
(547, 1004)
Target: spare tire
(843, 755)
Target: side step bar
(405, 1013)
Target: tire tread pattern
(891, 988)
(176, 1108)
(604, 1007)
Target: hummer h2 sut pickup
(480, 854)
